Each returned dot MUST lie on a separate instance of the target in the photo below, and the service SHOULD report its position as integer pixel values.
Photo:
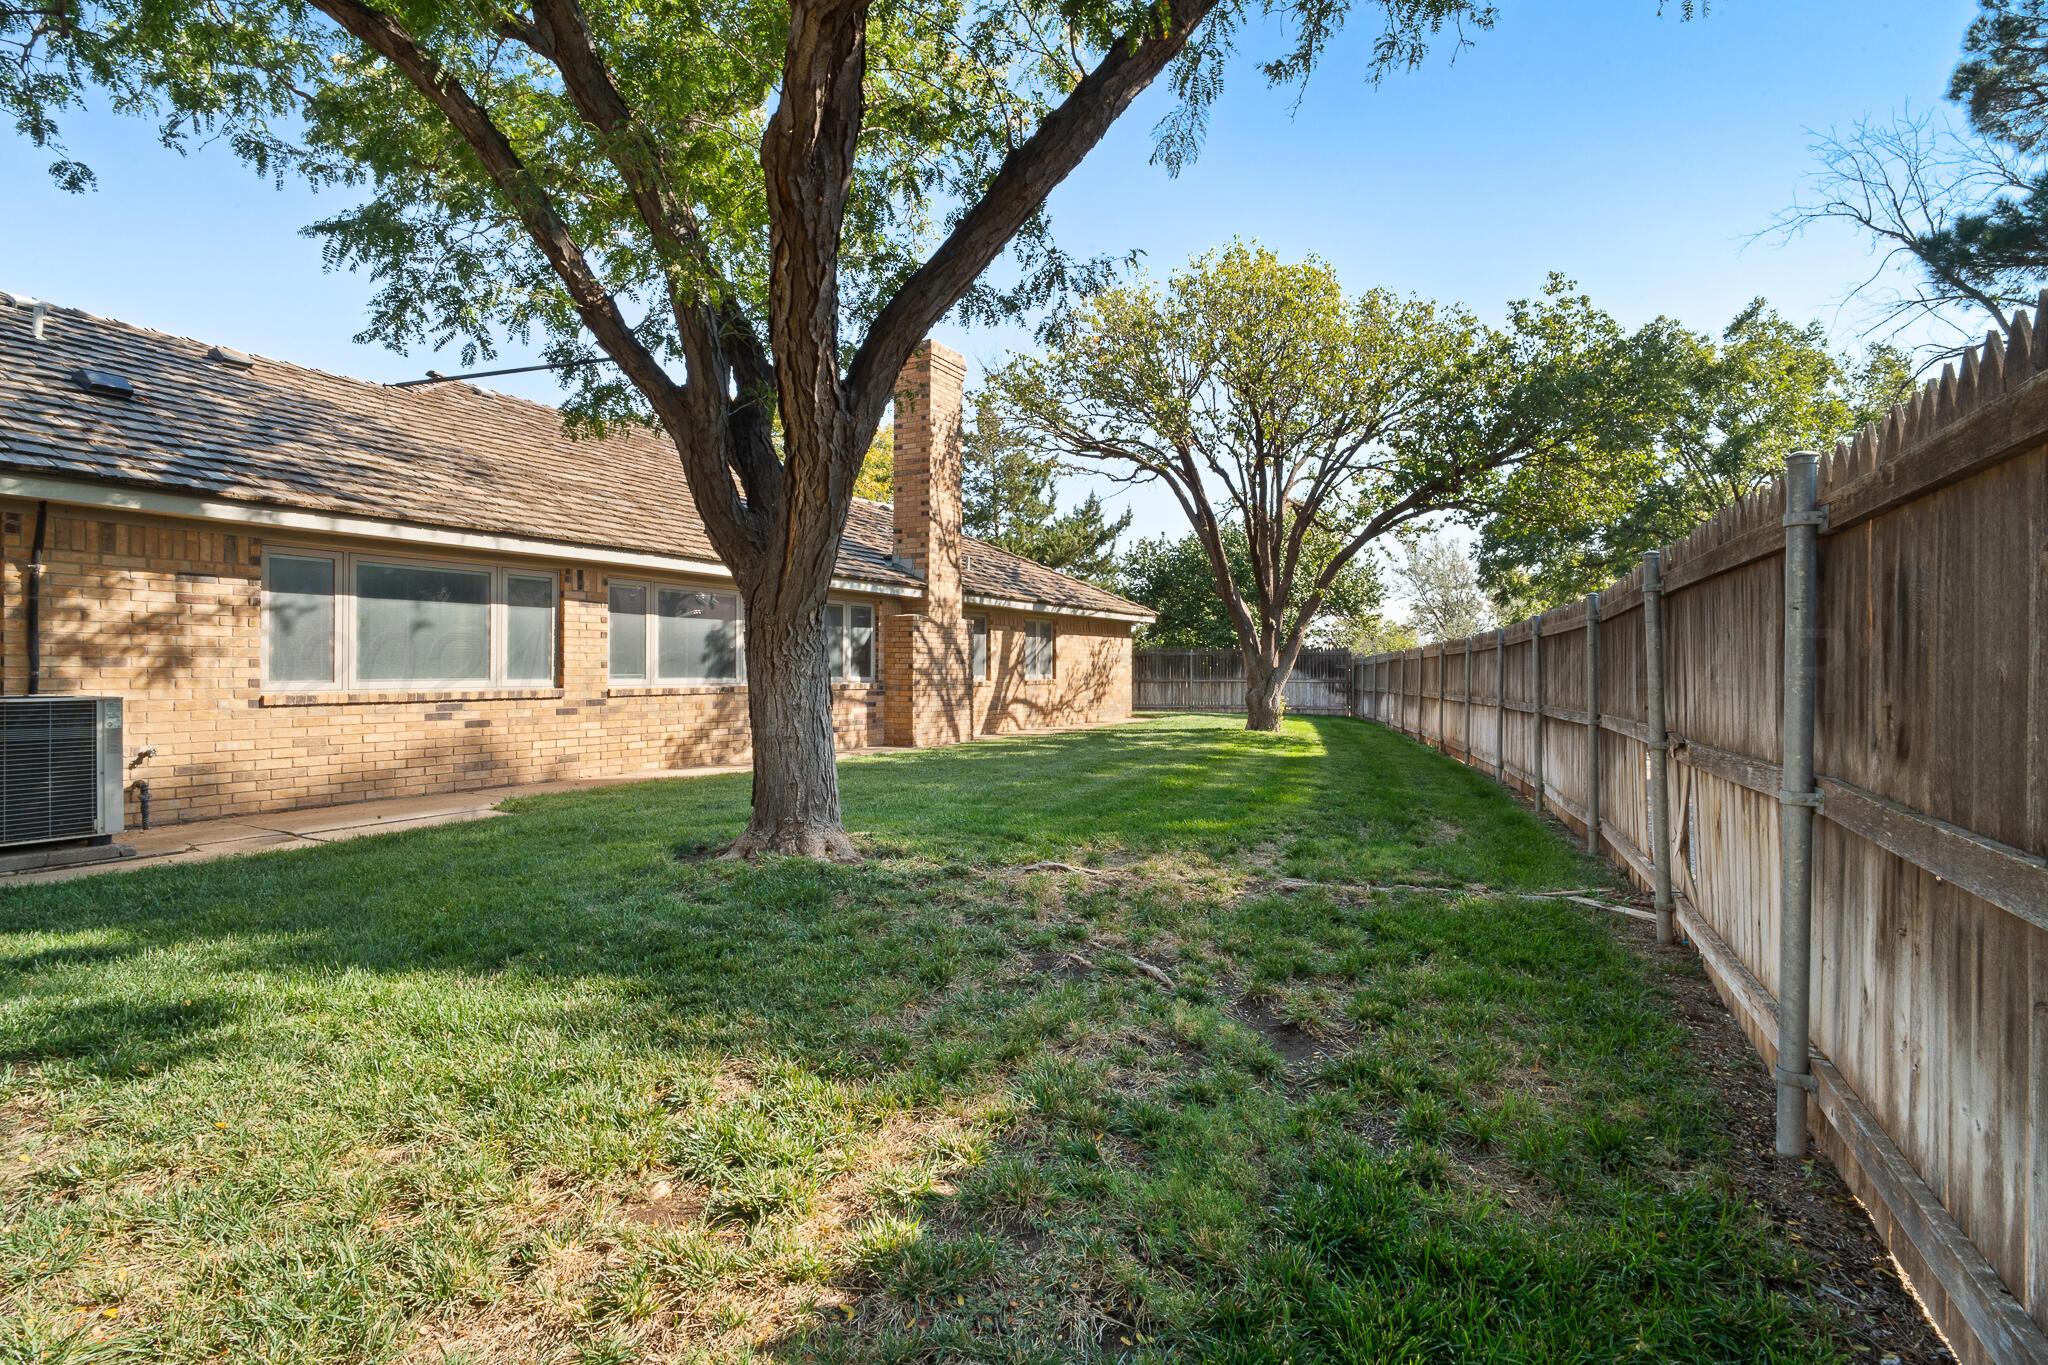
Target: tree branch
(383, 34)
(1017, 191)
(732, 438)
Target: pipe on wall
(35, 599)
(1593, 724)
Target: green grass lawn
(554, 1087)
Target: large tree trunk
(789, 706)
(1265, 695)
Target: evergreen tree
(1011, 497)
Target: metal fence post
(1500, 706)
(1423, 729)
(1468, 701)
(1659, 741)
(1536, 697)
(1443, 703)
(1797, 801)
(1593, 723)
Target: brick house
(310, 589)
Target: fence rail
(1927, 887)
(1213, 680)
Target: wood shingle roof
(450, 455)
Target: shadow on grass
(556, 991)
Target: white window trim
(980, 673)
(1052, 649)
(651, 675)
(346, 680)
(850, 678)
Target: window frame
(651, 643)
(979, 634)
(848, 678)
(347, 678)
(1032, 626)
(339, 642)
(613, 679)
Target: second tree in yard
(1310, 423)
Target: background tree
(1965, 207)
(1011, 497)
(1264, 399)
(1376, 633)
(1445, 601)
(753, 209)
(877, 478)
(1714, 421)
(1172, 575)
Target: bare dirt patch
(667, 1205)
(1299, 1049)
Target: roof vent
(38, 311)
(103, 382)
(241, 360)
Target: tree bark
(1265, 695)
(789, 708)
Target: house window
(850, 641)
(529, 628)
(696, 636)
(416, 624)
(977, 647)
(666, 634)
(375, 623)
(629, 632)
(298, 619)
(1038, 649)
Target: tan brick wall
(167, 614)
(1091, 679)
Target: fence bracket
(1809, 799)
(1801, 1080)
(1816, 517)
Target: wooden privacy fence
(1213, 680)
(1918, 586)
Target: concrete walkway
(201, 840)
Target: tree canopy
(1711, 420)
(1445, 601)
(1272, 405)
(1171, 575)
(1965, 207)
(1011, 497)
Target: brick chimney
(924, 640)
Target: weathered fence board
(1929, 973)
(1213, 680)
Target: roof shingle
(447, 455)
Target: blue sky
(1635, 152)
